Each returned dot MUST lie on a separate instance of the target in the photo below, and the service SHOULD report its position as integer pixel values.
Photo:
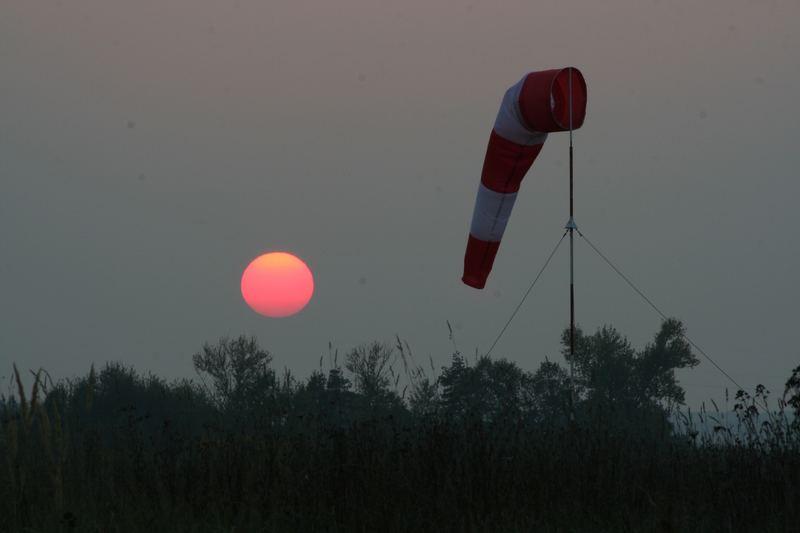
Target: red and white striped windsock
(533, 107)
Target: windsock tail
(478, 261)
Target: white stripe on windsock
(492, 210)
(509, 124)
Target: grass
(117, 452)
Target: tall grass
(116, 451)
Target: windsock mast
(571, 227)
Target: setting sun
(277, 284)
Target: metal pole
(571, 227)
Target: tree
(424, 399)
(603, 364)
(608, 371)
(239, 371)
(656, 365)
(490, 390)
(370, 366)
(550, 392)
(337, 382)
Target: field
(481, 447)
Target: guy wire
(526, 294)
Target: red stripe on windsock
(478, 261)
(506, 163)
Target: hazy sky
(150, 149)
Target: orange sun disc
(277, 284)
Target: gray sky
(150, 149)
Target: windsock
(536, 105)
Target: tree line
(377, 440)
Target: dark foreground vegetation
(479, 445)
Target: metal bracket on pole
(571, 224)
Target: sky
(150, 150)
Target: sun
(277, 284)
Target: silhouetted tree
(487, 391)
(425, 398)
(603, 364)
(370, 366)
(550, 391)
(239, 371)
(656, 365)
(609, 372)
(337, 381)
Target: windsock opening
(544, 100)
